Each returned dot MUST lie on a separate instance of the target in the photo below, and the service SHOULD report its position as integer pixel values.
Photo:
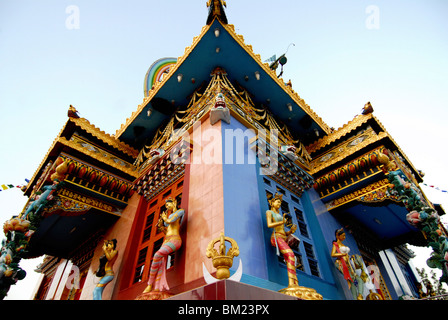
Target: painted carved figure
(105, 270)
(37, 204)
(276, 221)
(171, 219)
(290, 152)
(348, 265)
(219, 111)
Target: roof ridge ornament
(216, 9)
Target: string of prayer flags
(10, 186)
(434, 187)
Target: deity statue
(170, 221)
(105, 270)
(276, 221)
(283, 240)
(348, 265)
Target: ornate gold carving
(248, 48)
(302, 293)
(73, 201)
(316, 167)
(349, 127)
(376, 187)
(339, 133)
(345, 145)
(221, 260)
(130, 170)
(106, 138)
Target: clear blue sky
(338, 63)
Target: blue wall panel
(245, 208)
(241, 201)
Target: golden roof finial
(72, 112)
(216, 9)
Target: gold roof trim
(157, 85)
(106, 160)
(45, 157)
(248, 48)
(105, 137)
(398, 148)
(288, 89)
(339, 133)
(368, 141)
(348, 127)
(87, 126)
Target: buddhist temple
(223, 184)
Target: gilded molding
(95, 155)
(45, 157)
(339, 133)
(345, 145)
(349, 127)
(155, 89)
(318, 167)
(248, 48)
(381, 185)
(288, 89)
(399, 149)
(103, 136)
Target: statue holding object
(170, 221)
(105, 270)
(349, 265)
(280, 239)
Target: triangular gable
(219, 46)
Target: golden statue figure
(276, 221)
(170, 222)
(279, 239)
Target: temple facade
(223, 184)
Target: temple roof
(219, 46)
(349, 130)
(114, 153)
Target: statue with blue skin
(37, 204)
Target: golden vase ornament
(221, 260)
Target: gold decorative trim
(103, 136)
(100, 152)
(318, 167)
(399, 149)
(280, 82)
(339, 133)
(132, 172)
(376, 186)
(345, 145)
(349, 127)
(155, 89)
(45, 158)
(86, 201)
(248, 48)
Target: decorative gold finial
(216, 9)
(367, 109)
(221, 260)
(72, 112)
